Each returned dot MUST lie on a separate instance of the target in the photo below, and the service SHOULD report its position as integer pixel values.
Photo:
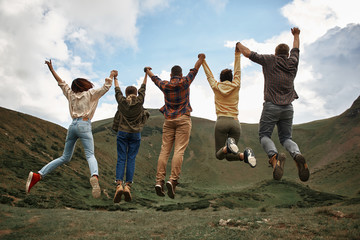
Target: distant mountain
(331, 147)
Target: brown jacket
(131, 115)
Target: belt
(81, 118)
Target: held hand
(295, 31)
(201, 55)
(113, 74)
(147, 68)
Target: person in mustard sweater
(227, 126)
(83, 100)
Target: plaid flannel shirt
(176, 94)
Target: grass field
(326, 222)
(266, 210)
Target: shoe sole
(159, 191)
(96, 190)
(127, 196)
(302, 167)
(279, 168)
(252, 162)
(117, 197)
(232, 147)
(170, 189)
(28, 182)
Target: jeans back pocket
(84, 127)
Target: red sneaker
(33, 178)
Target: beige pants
(175, 132)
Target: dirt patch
(5, 232)
(34, 219)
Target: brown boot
(171, 185)
(127, 192)
(119, 192)
(277, 162)
(302, 167)
(159, 188)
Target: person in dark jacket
(128, 122)
(279, 93)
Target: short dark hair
(226, 75)
(176, 71)
(282, 49)
(81, 85)
(130, 90)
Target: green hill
(331, 147)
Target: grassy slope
(331, 147)
(210, 189)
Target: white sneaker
(249, 157)
(231, 146)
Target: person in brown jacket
(128, 122)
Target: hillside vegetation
(331, 146)
(215, 199)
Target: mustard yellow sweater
(226, 93)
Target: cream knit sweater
(226, 93)
(84, 104)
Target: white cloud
(326, 54)
(73, 33)
(202, 99)
(316, 17)
(153, 5)
(105, 110)
(32, 31)
(336, 56)
(154, 97)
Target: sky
(89, 38)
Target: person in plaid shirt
(279, 92)
(177, 124)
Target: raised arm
(237, 70)
(145, 78)
(57, 78)
(244, 50)
(116, 82)
(148, 71)
(296, 32)
(200, 60)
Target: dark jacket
(131, 115)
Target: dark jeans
(127, 148)
(226, 127)
(282, 117)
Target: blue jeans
(77, 129)
(282, 117)
(127, 148)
